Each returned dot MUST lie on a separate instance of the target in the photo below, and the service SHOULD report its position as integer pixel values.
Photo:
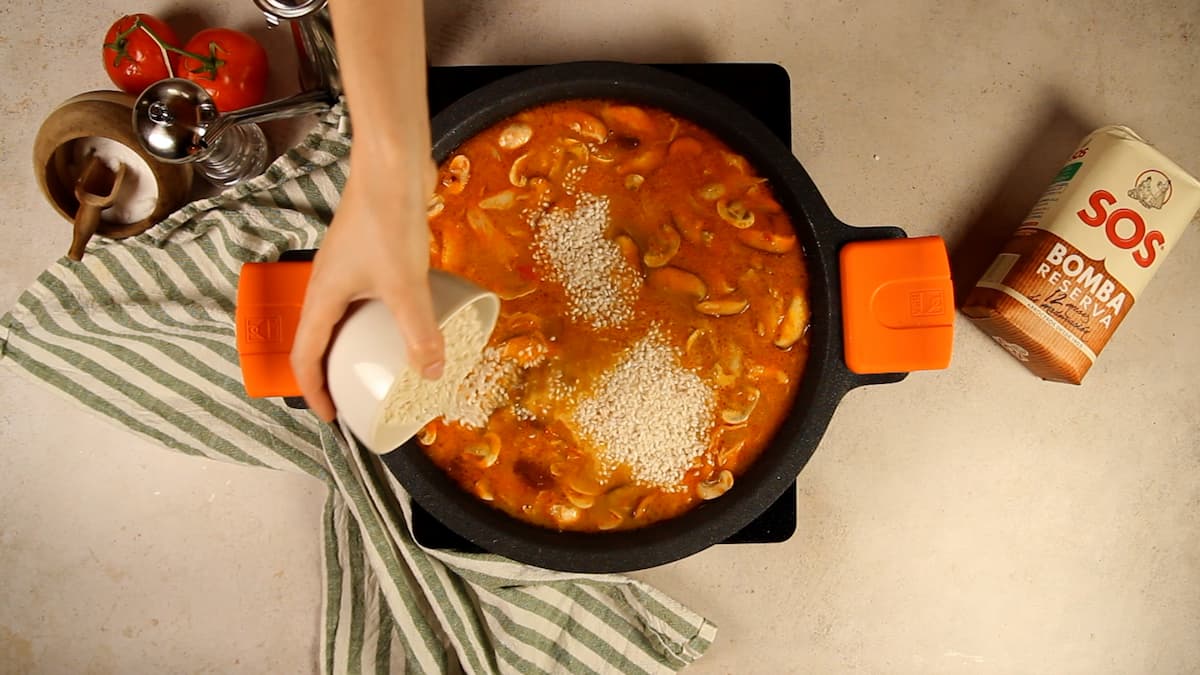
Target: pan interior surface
(823, 384)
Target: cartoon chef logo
(1152, 188)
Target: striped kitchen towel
(142, 332)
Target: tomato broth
(653, 326)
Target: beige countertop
(975, 520)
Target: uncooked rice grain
(648, 412)
(414, 398)
(600, 285)
(486, 389)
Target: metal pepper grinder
(177, 121)
(312, 30)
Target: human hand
(377, 247)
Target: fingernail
(434, 370)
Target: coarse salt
(138, 193)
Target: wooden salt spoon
(95, 191)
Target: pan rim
(824, 382)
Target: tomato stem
(208, 64)
(162, 48)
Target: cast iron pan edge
(826, 378)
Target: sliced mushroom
(733, 359)
(577, 149)
(480, 222)
(770, 314)
(609, 520)
(735, 213)
(723, 378)
(516, 172)
(711, 192)
(677, 280)
(629, 250)
(584, 483)
(457, 174)
(738, 162)
(794, 322)
(735, 416)
(722, 306)
(499, 201)
(643, 506)
(586, 125)
(645, 162)
(711, 489)
(486, 452)
(754, 284)
(689, 225)
(599, 156)
(515, 135)
(437, 204)
(628, 119)
(526, 350)
(427, 435)
(564, 514)
(523, 322)
(623, 499)
(580, 500)
(759, 372)
(727, 455)
(542, 192)
(768, 242)
(760, 194)
(719, 284)
(663, 247)
(684, 147)
(537, 398)
(514, 288)
(483, 490)
(634, 181)
(693, 338)
(551, 164)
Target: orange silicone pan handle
(269, 299)
(897, 305)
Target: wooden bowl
(103, 114)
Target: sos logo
(1125, 228)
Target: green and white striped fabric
(142, 332)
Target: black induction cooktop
(764, 89)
